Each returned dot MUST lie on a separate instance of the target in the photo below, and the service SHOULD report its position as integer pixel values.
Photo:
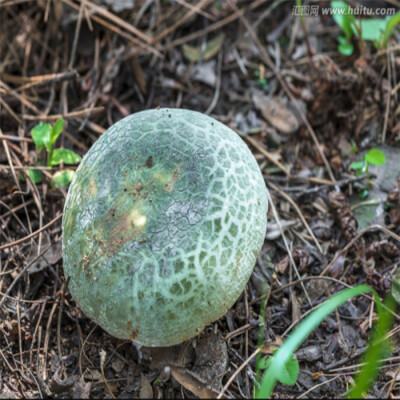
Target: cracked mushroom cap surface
(162, 225)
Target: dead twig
(60, 311)
(218, 85)
(70, 115)
(267, 154)
(354, 240)
(237, 372)
(166, 32)
(387, 99)
(33, 234)
(41, 80)
(118, 31)
(217, 25)
(14, 282)
(299, 213)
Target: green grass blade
(392, 23)
(378, 349)
(294, 341)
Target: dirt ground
(306, 112)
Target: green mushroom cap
(162, 225)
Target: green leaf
(364, 194)
(292, 343)
(63, 177)
(56, 130)
(357, 165)
(290, 371)
(36, 175)
(343, 18)
(262, 363)
(391, 24)
(346, 49)
(375, 157)
(373, 29)
(41, 134)
(68, 156)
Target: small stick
(47, 338)
(166, 32)
(118, 31)
(289, 253)
(218, 86)
(358, 236)
(15, 139)
(300, 214)
(22, 99)
(219, 24)
(55, 117)
(267, 154)
(387, 100)
(236, 373)
(33, 234)
(49, 78)
(119, 21)
(11, 112)
(197, 10)
(60, 310)
(14, 282)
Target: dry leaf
(51, 256)
(139, 75)
(268, 348)
(273, 230)
(193, 53)
(296, 312)
(193, 383)
(146, 391)
(180, 355)
(211, 359)
(275, 111)
(82, 390)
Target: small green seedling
(262, 81)
(374, 157)
(376, 30)
(289, 372)
(45, 135)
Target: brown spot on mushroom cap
(149, 162)
(133, 335)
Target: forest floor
(306, 111)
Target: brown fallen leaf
(193, 383)
(275, 111)
(211, 359)
(139, 75)
(146, 391)
(82, 390)
(193, 53)
(180, 355)
(268, 348)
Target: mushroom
(162, 225)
